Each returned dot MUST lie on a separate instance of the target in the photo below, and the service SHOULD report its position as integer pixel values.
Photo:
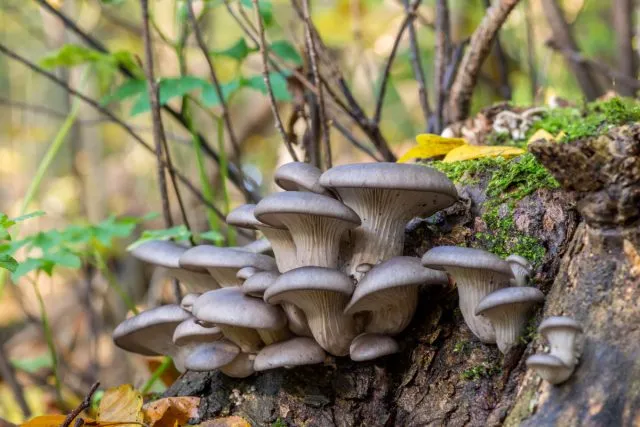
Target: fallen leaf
(232, 421)
(45, 421)
(171, 411)
(431, 145)
(468, 152)
(121, 405)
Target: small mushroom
(521, 269)
(389, 293)
(300, 176)
(167, 254)
(386, 196)
(245, 272)
(294, 352)
(244, 320)
(260, 246)
(189, 336)
(223, 263)
(150, 333)
(477, 273)
(210, 356)
(322, 294)
(284, 249)
(187, 301)
(561, 333)
(372, 346)
(259, 282)
(316, 224)
(240, 367)
(507, 310)
(550, 368)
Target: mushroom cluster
(562, 334)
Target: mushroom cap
(159, 252)
(245, 272)
(559, 322)
(243, 217)
(441, 257)
(189, 331)
(294, 352)
(507, 296)
(371, 346)
(207, 256)
(260, 246)
(259, 282)
(240, 367)
(149, 333)
(309, 278)
(517, 259)
(395, 272)
(210, 356)
(187, 301)
(544, 359)
(295, 176)
(365, 267)
(550, 368)
(303, 203)
(229, 306)
(391, 176)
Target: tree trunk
(444, 375)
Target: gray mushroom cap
(189, 331)
(299, 176)
(187, 301)
(257, 284)
(150, 332)
(309, 279)
(559, 322)
(245, 272)
(562, 333)
(372, 346)
(294, 352)
(210, 356)
(240, 367)
(260, 246)
(209, 257)
(441, 257)
(550, 368)
(507, 297)
(243, 217)
(229, 306)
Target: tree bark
(623, 11)
(444, 375)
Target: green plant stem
(166, 363)
(101, 265)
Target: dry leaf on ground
(468, 152)
(121, 404)
(171, 411)
(431, 145)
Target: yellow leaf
(232, 421)
(431, 145)
(121, 405)
(45, 421)
(468, 152)
(541, 134)
(171, 411)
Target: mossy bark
(444, 375)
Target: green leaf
(71, 55)
(169, 88)
(30, 215)
(285, 50)
(128, 89)
(127, 60)
(8, 262)
(278, 85)
(210, 96)
(29, 265)
(63, 258)
(34, 364)
(178, 233)
(238, 51)
(265, 7)
(213, 236)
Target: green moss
(461, 347)
(279, 423)
(466, 171)
(480, 371)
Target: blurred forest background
(97, 185)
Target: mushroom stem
(225, 276)
(272, 336)
(310, 231)
(247, 339)
(297, 321)
(283, 247)
(240, 367)
(395, 313)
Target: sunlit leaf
(278, 85)
(178, 233)
(71, 55)
(210, 96)
(121, 404)
(169, 88)
(8, 262)
(265, 7)
(212, 235)
(171, 411)
(285, 50)
(429, 146)
(45, 421)
(128, 89)
(468, 152)
(238, 51)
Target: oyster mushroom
(561, 333)
(507, 310)
(210, 356)
(245, 272)
(167, 254)
(189, 336)
(260, 246)
(477, 273)
(282, 244)
(246, 321)
(372, 346)
(294, 352)
(521, 269)
(300, 176)
(150, 333)
(187, 301)
(223, 263)
(389, 293)
(386, 196)
(240, 367)
(322, 294)
(316, 224)
(550, 368)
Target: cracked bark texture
(444, 376)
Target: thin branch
(359, 145)
(418, 72)
(503, 70)
(313, 59)
(442, 47)
(85, 404)
(531, 52)
(286, 138)
(52, 77)
(479, 48)
(9, 376)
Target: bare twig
(531, 52)
(623, 11)
(563, 37)
(442, 47)
(503, 69)
(418, 72)
(313, 59)
(359, 145)
(9, 376)
(479, 48)
(86, 403)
